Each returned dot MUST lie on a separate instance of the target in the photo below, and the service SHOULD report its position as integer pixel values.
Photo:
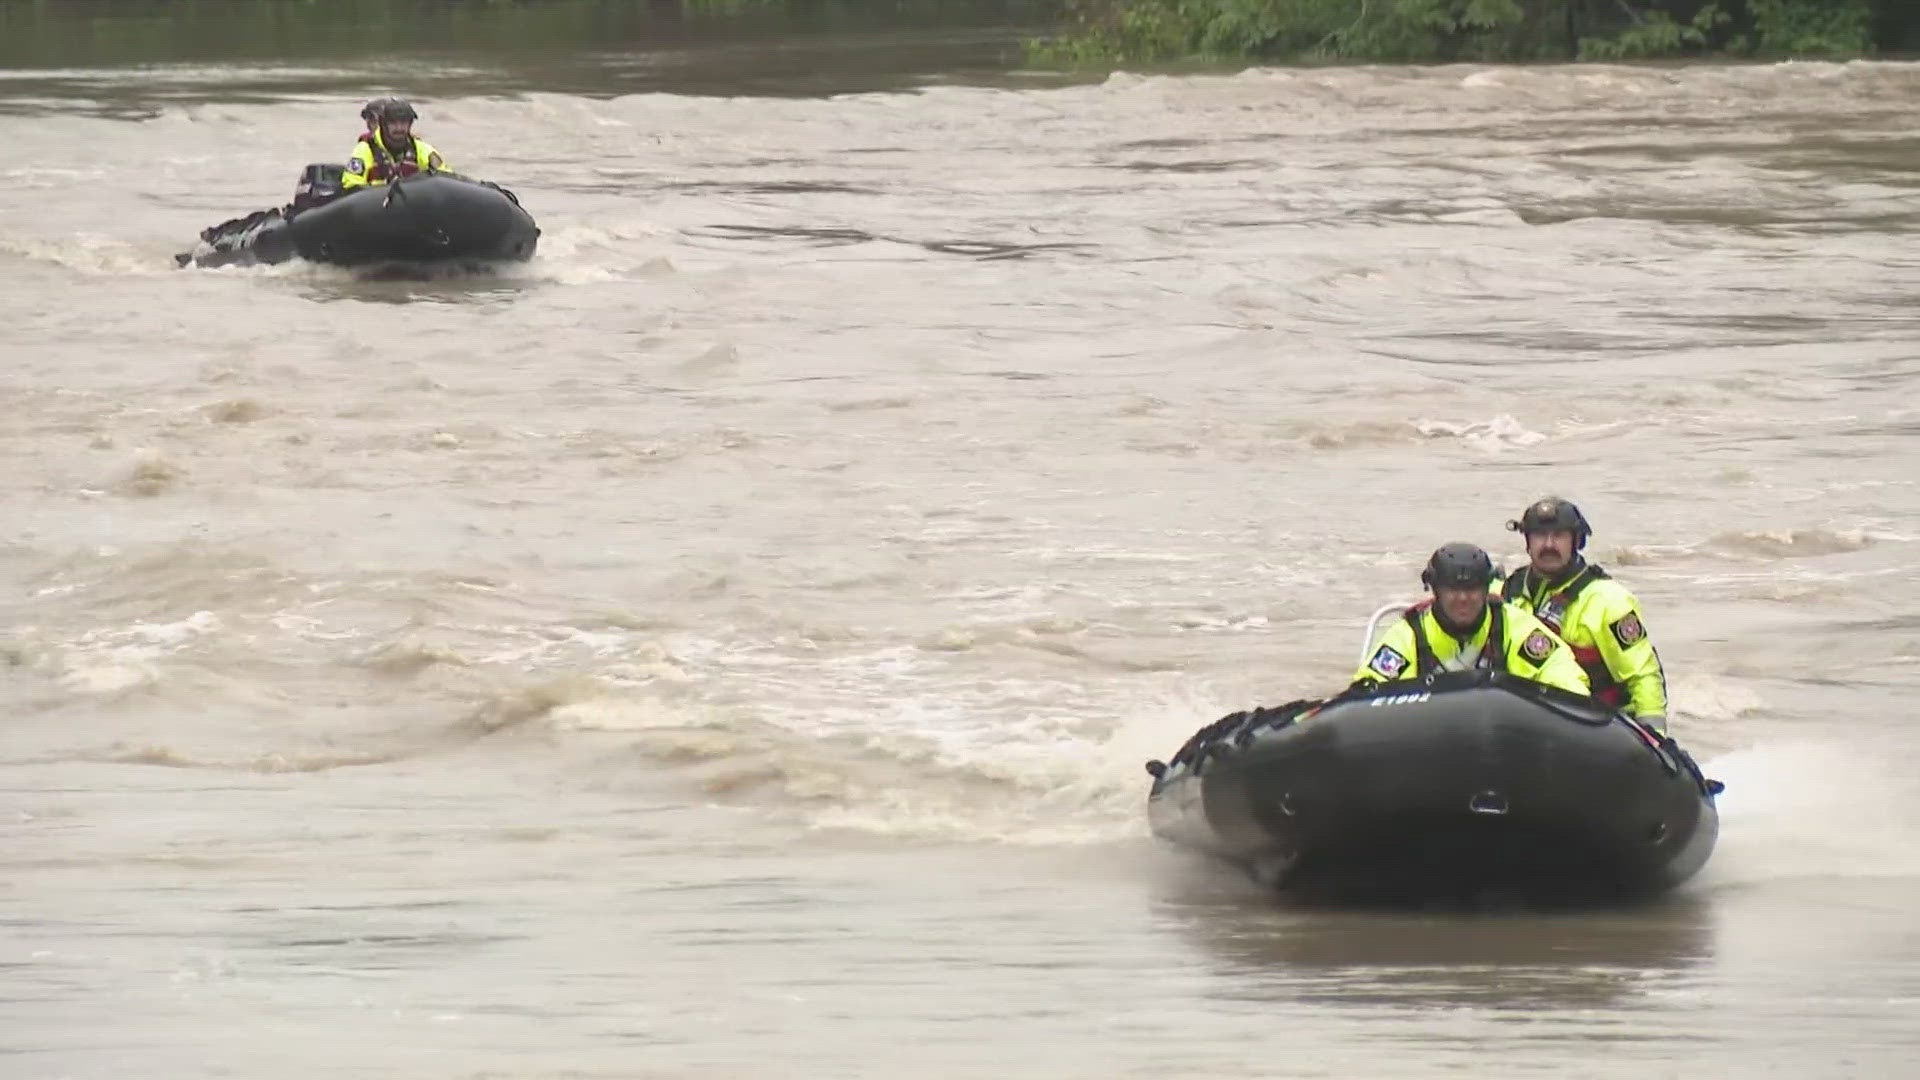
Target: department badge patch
(1388, 662)
(1537, 647)
(1627, 629)
(356, 166)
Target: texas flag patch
(1388, 662)
(1627, 629)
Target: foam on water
(1831, 810)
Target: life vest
(1552, 609)
(387, 162)
(1493, 651)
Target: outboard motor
(318, 184)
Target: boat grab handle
(1373, 626)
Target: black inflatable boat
(422, 219)
(1474, 785)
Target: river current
(727, 645)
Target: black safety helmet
(381, 110)
(1458, 566)
(1554, 514)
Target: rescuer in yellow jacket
(388, 148)
(1465, 628)
(1595, 615)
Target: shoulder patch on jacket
(355, 165)
(1388, 662)
(1537, 647)
(1627, 629)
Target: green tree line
(51, 32)
(1485, 30)
(47, 33)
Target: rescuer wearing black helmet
(1597, 616)
(388, 148)
(1465, 628)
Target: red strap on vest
(382, 156)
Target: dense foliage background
(1441, 30)
(42, 32)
